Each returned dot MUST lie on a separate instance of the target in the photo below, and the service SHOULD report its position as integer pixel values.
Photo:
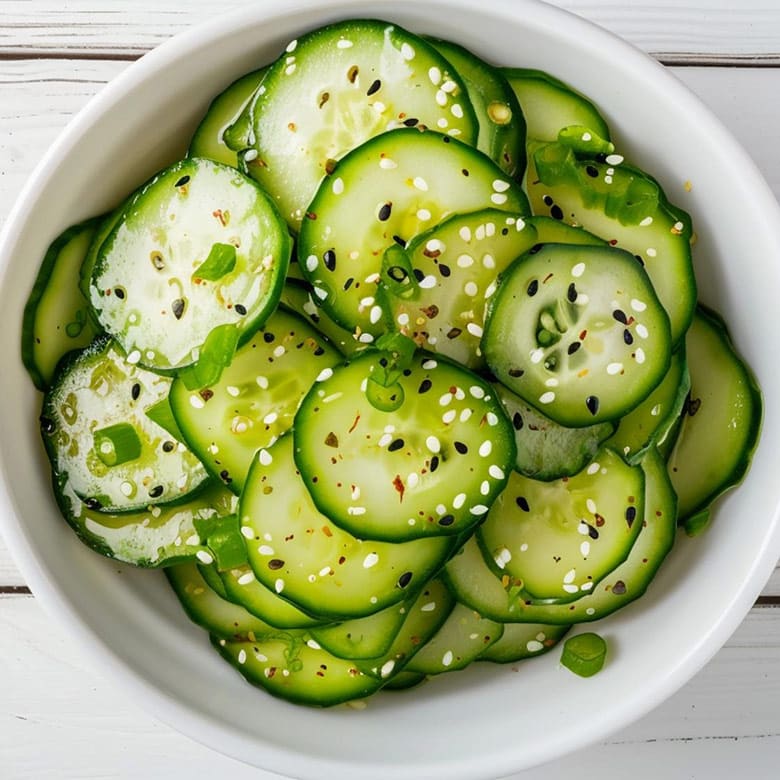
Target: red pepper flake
(331, 440)
(398, 484)
(320, 673)
(311, 215)
(354, 423)
(220, 215)
(327, 531)
(599, 520)
(612, 241)
(547, 278)
(342, 559)
(206, 394)
(583, 333)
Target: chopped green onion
(397, 273)
(117, 444)
(222, 536)
(220, 262)
(584, 654)
(584, 140)
(216, 354)
(382, 397)
(162, 414)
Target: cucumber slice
(151, 537)
(650, 422)
(335, 88)
(720, 422)
(105, 225)
(558, 540)
(383, 193)
(298, 297)
(500, 598)
(199, 253)
(98, 388)
(436, 291)
(463, 637)
(523, 640)
(427, 614)
(210, 573)
(626, 207)
(546, 450)
(366, 637)
(403, 681)
(501, 124)
(549, 105)
(578, 332)
(553, 231)
(325, 571)
(242, 587)
(56, 317)
(437, 461)
(292, 666)
(208, 609)
(255, 399)
(208, 139)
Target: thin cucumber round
(499, 116)
(255, 400)
(100, 438)
(383, 194)
(438, 460)
(721, 419)
(558, 540)
(436, 290)
(301, 555)
(194, 265)
(208, 139)
(523, 640)
(499, 597)
(335, 88)
(57, 317)
(578, 332)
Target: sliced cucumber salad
(403, 367)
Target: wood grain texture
(699, 30)
(724, 723)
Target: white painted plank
(724, 723)
(748, 29)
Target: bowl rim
(199, 725)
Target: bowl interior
(488, 720)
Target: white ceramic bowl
(489, 720)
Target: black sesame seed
(556, 212)
(517, 421)
(619, 588)
(533, 288)
(535, 248)
(240, 309)
(404, 579)
(522, 502)
(383, 362)
(135, 391)
(225, 476)
(348, 283)
(47, 425)
(385, 211)
(407, 372)
(461, 447)
(268, 337)
(375, 87)
(620, 316)
(275, 563)
(425, 386)
(434, 463)
(505, 231)
(444, 269)
(446, 140)
(571, 293)
(120, 293)
(182, 181)
(92, 503)
(592, 402)
(400, 241)
(447, 520)
(465, 172)
(515, 372)
(177, 307)
(329, 258)
(394, 445)
(156, 491)
(319, 351)
(592, 172)
(453, 333)
(168, 446)
(548, 201)
(630, 515)
(418, 274)
(592, 532)
(573, 347)
(627, 337)
(411, 122)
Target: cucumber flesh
(437, 461)
(721, 419)
(523, 640)
(381, 194)
(56, 317)
(335, 88)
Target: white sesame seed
(420, 183)
(537, 355)
(196, 401)
(534, 646)
(320, 292)
(265, 549)
(270, 418)
(523, 547)
(585, 549)
(471, 289)
(246, 578)
(465, 233)
(264, 457)
(279, 351)
(343, 43)
(449, 416)
(650, 252)
(646, 222)
(639, 355)
(326, 373)
(434, 74)
(442, 123)
(204, 557)
(262, 382)
(387, 668)
(488, 261)
(465, 414)
(423, 215)
(593, 468)
(614, 159)
(387, 163)
(496, 472)
(242, 656)
(385, 439)
(441, 509)
(502, 557)
(447, 658)
(578, 270)
(590, 610)
(484, 487)
(614, 368)
(291, 46)
(607, 179)
(547, 398)
(551, 382)
(638, 305)
(571, 588)
(485, 448)
(642, 331)
(413, 480)
(474, 329)
(356, 510)
(433, 444)
(478, 509)
(464, 261)
(428, 606)
(290, 69)
(656, 410)
(492, 419)
(499, 198)
(429, 364)
(445, 399)
(375, 314)
(500, 185)
(459, 501)
(279, 585)
(586, 136)
(428, 282)
(370, 560)
(441, 97)
(407, 52)
(403, 318)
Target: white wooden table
(60, 719)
